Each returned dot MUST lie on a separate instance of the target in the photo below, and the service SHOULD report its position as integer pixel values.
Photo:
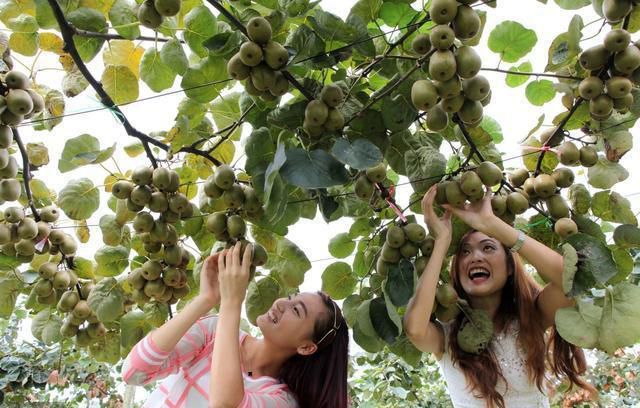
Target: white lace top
(521, 392)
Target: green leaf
(289, 262)
(156, 74)
(83, 268)
(24, 43)
(173, 56)
(107, 300)
(624, 263)
(224, 44)
(338, 280)
(611, 206)
(396, 14)
(341, 246)
(350, 309)
(400, 282)
(111, 260)
(111, 230)
(106, 348)
(45, 326)
(260, 296)
(79, 199)
(120, 83)
(549, 161)
(620, 315)
(90, 20)
(405, 349)
(44, 15)
(425, 166)
(10, 286)
(305, 42)
(133, 327)
(201, 82)
(155, 313)
(512, 40)
(516, 80)
(199, 25)
(493, 128)
(398, 112)
(382, 323)
(605, 174)
(360, 155)
(579, 324)
(572, 4)
(82, 150)
(540, 92)
(122, 15)
(595, 263)
(371, 344)
(366, 9)
(314, 169)
(570, 267)
(225, 111)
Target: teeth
(478, 271)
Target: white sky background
(508, 106)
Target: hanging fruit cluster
(365, 185)
(322, 115)
(447, 300)
(614, 66)
(404, 241)
(151, 13)
(455, 86)
(259, 62)
(229, 226)
(157, 190)
(469, 185)
(9, 185)
(18, 101)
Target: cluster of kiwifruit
(409, 241)
(446, 305)
(22, 237)
(9, 186)
(614, 66)
(157, 190)
(455, 86)
(18, 102)
(74, 303)
(229, 226)
(365, 185)
(322, 114)
(259, 62)
(160, 280)
(151, 13)
(469, 185)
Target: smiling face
(482, 265)
(291, 321)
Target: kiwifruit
(135, 279)
(140, 195)
(19, 102)
(10, 189)
(454, 194)
(68, 301)
(155, 288)
(81, 310)
(142, 175)
(395, 236)
(476, 88)
(61, 280)
(471, 184)
(160, 232)
(96, 330)
(11, 119)
(250, 54)
(424, 94)
(415, 232)
(259, 255)
(149, 16)
(10, 170)
(563, 176)
(518, 176)
(252, 203)
(236, 227)
(382, 268)
(442, 65)
(568, 153)
(594, 58)
(16, 80)
(122, 189)
(389, 254)
(43, 287)
(377, 173)
(313, 130)
(443, 11)
(68, 246)
(627, 60)
(442, 37)
(426, 247)
(421, 44)
(499, 204)
(331, 95)
(211, 189)
(86, 288)
(160, 178)
(6, 136)
(250, 88)
(363, 187)
(172, 255)
(56, 236)
(624, 103)
(565, 227)
(178, 203)
(446, 295)
(517, 203)
(557, 206)
(489, 173)
(616, 10)
(167, 8)
(275, 55)
(5, 234)
(617, 40)
(316, 112)
(452, 105)
(471, 112)
(237, 69)
(544, 185)
(437, 118)
(618, 87)
(171, 276)
(588, 156)
(450, 88)
(27, 228)
(224, 176)
(151, 270)
(13, 214)
(158, 202)
(601, 106)
(143, 222)
(25, 247)
(234, 197)
(263, 78)
(468, 62)
(551, 137)
(466, 23)
(590, 87)
(335, 120)
(280, 85)
(408, 250)
(259, 30)
(133, 207)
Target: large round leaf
(338, 280)
(260, 296)
(107, 300)
(79, 199)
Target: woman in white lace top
(487, 272)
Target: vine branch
(536, 74)
(26, 173)
(111, 36)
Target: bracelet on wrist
(519, 242)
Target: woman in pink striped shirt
(300, 360)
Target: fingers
(221, 259)
(246, 257)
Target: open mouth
(478, 275)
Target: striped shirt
(186, 372)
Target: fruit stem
(26, 173)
